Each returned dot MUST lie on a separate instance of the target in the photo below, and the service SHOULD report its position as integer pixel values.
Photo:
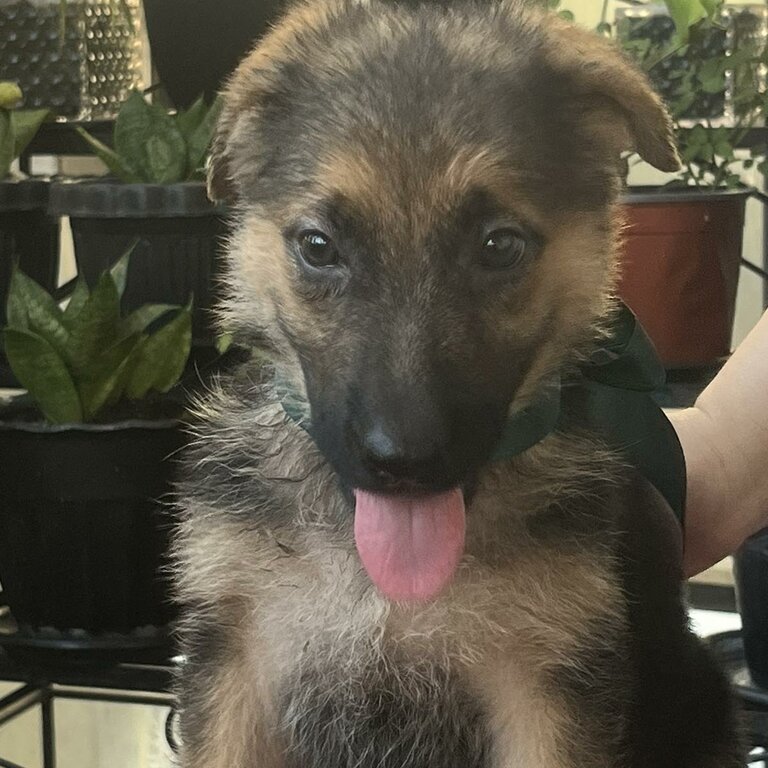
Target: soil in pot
(680, 268)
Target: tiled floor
(91, 735)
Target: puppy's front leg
(548, 720)
(226, 720)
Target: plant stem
(62, 23)
(604, 12)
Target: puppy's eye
(317, 249)
(503, 249)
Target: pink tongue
(410, 545)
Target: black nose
(414, 453)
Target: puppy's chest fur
(494, 674)
(487, 676)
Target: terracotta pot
(680, 269)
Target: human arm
(725, 442)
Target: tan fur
(240, 721)
(572, 281)
(605, 72)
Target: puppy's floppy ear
(599, 69)
(254, 82)
(241, 100)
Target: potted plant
(78, 58)
(683, 242)
(28, 235)
(87, 463)
(155, 195)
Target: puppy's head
(426, 224)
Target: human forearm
(725, 440)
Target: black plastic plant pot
(85, 525)
(28, 235)
(223, 32)
(178, 235)
(751, 575)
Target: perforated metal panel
(81, 66)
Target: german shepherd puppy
(426, 231)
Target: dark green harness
(610, 395)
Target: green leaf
(110, 158)
(724, 149)
(200, 140)
(604, 29)
(32, 308)
(161, 357)
(187, 120)
(94, 328)
(26, 123)
(711, 76)
(76, 301)
(685, 13)
(698, 135)
(102, 380)
(6, 143)
(223, 342)
(119, 270)
(44, 374)
(566, 15)
(637, 49)
(682, 104)
(688, 154)
(140, 319)
(16, 306)
(147, 140)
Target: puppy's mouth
(410, 544)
